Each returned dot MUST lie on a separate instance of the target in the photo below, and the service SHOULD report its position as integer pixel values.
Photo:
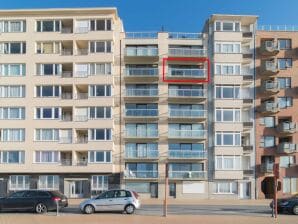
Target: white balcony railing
(187, 174)
(141, 51)
(187, 52)
(182, 113)
(189, 72)
(141, 134)
(187, 133)
(141, 35)
(187, 93)
(141, 92)
(140, 174)
(278, 27)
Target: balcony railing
(66, 52)
(270, 66)
(141, 51)
(267, 167)
(141, 72)
(81, 74)
(81, 162)
(66, 96)
(271, 107)
(65, 140)
(66, 162)
(142, 92)
(287, 127)
(82, 140)
(181, 113)
(190, 72)
(141, 154)
(198, 93)
(185, 36)
(141, 112)
(66, 30)
(140, 174)
(66, 74)
(141, 35)
(81, 117)
(141, 134)
(187, 154)
(187, 174)
(278, 27)
(187, 133)
(82, 29)
(82, 96)
(271, 86)
(82, 51)
(187, 52)
(286, 147)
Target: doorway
(245, 190)
(172, 190)
(153, 190)
(76, 189)
(267, 186)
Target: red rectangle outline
(203, 59)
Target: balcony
(287, 127)
(66, 114)
(187, 114)
(141, 35)
(141, 113)
(270, 86)
(247, 149)
(187, 73)
(287, 148)
(65, 140)
(141, 52)
(269, 47)
(147, 73)
(187, 154)
(81, 118)
(267, 168)
(187, 134)
(270, 107)
(136, 174)
(185, 36)
(195, 94)
(66, 162)
(188, 175)
(141, 93)
(269, 68)
(81, 136)
(147, 154)
(149, 134)
(187, 52)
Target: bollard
(57, 209)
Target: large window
(83, 70)
(13, 48)
(227, 92)
(100, 90)
(267, 141)
(48, 26)
(12, 113)
(228, 115)
(47, 113)
(284, 63)
(12, 157)
(268, 122)
(225, 187)
(140, 187)
(284, 44)
(48, 47)
(284, 102)
(227, 69)
(19, 182)
(228, 138)
(100, 46)
(290, 185)
(99, 112)
(46, 134)
(286, 161)
(12, 26)
(228, 162)
(100, 156)
(99, 183)
(12, 69)
(100, 134)
(12, 134)
(48, 182)
(48, 69)
(12, 91)
(284, 83)
(100, 24)
(47, 156)
(141, 130)
(228, 47)
(227, 26)
(47, 91)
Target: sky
(175, 15)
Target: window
(47, 113)
(140, 187)
(46, 134)
(284, 44)
(227, 69)
(12, 157)
(284, 102)
(287, 161)
(228, 115)
(19, 182)
(100, 134)
(267, 141)
(228, 138)
(13, 135)
(186, 146)
(228, 47)
(12, 26)
(228, 163)
(48, 182)
(100, 24)
(225, 188)
(47, 91)
(13, 48)
(100, 90)
(227, 26)
(48, 69)
(100, 68)
(99, 112)
(47, 156)
(142, 170)
(12, 113)
(290, 185)
(284, 83)
(48, 26)
(100, 156)
(268, 122)
(99, 183)
(135, 150)
(12, 91)
(48, 47)
(284, 63)
(100, 46)
(12, 70)
(227, 92)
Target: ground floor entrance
(76, 188)
(244, 190)
(267, 187)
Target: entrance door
(172, 191)
(154, 190)
(245, 190)
(76, 188)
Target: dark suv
(39, 201)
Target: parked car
(39, 201)
(112, 200)
(289, 205)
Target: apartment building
(276, 106)
(57, 70)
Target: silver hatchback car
(112, 200)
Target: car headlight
(284, 203)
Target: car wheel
(295, 210)
(129, 209)
(41, 208)
(89, 209)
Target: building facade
(86, 106)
